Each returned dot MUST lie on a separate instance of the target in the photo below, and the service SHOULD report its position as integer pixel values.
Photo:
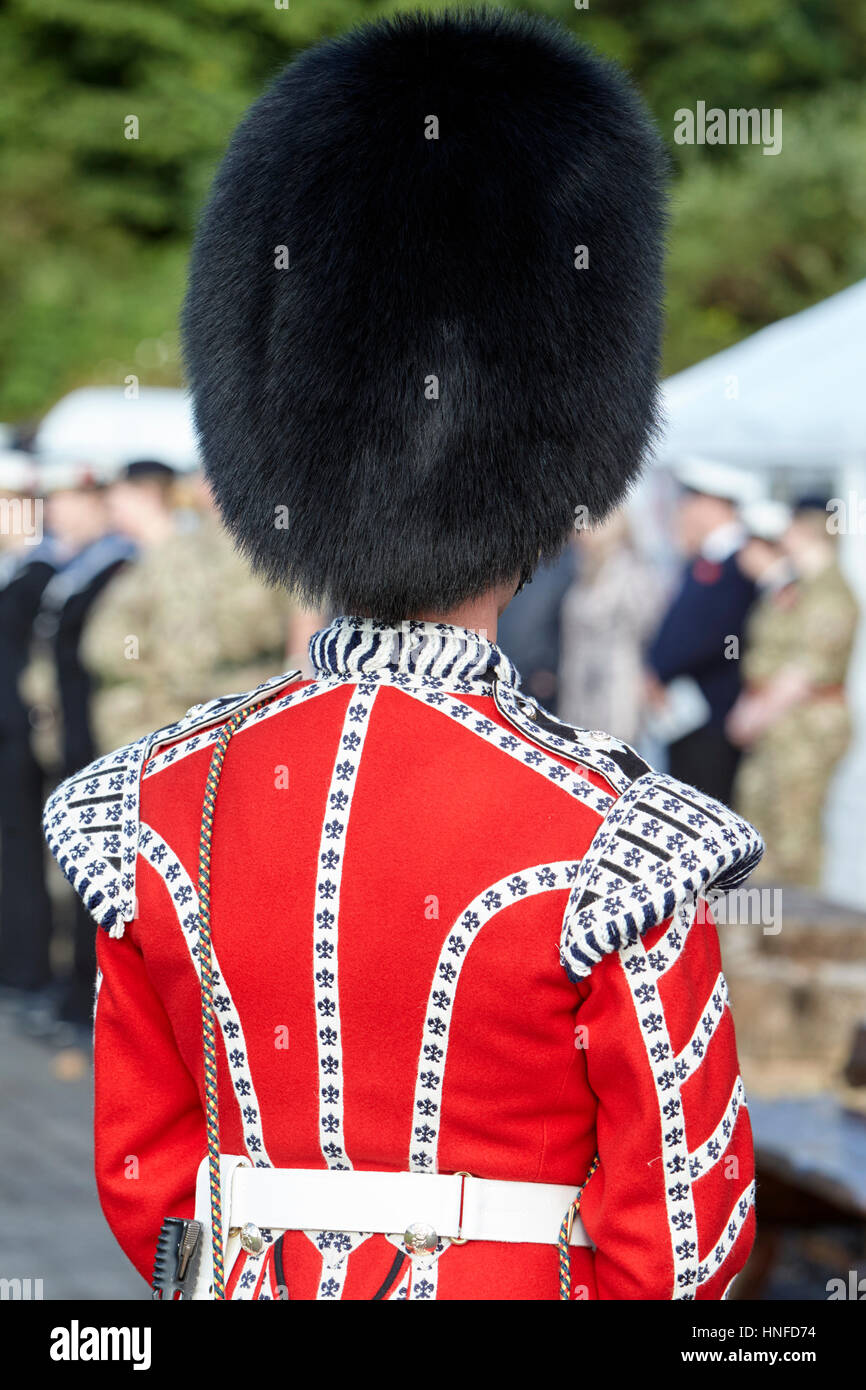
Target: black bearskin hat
(423, 317)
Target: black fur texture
(335, 466)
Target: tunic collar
(455, 658)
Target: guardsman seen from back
(406, 992)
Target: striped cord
(208, 1020)
(565, 1236)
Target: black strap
(279, 1270)
(391, 1276)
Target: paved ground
(51, 1225)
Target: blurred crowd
(733, 677)
(123, 602)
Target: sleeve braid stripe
(737, 1219)
(689, 1059)
(679, 1198)
(708, 1154)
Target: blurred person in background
(186, 622)
(694, 676)
(762, 557)
(529, 630)
(141, 503)
(792, 719)
(59, 686)
(56, 681)
(608, 615)
(25, 907)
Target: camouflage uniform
(784, 777)
(184, 623)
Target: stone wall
(798, 995)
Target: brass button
(420, 1239)
(251, 1239)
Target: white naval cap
(766, 519)
(57, 474)
(716, 479)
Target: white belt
(421, 1207)
(457, 1205)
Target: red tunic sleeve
(148, 1121)
(671, 1207)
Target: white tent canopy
(792, 395)
(105, 426)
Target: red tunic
(450, 935)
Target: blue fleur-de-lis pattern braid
(91, 822)
(661, 846)
(462, 934)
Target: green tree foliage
(96, 225)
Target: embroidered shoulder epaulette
(616, 761)
(661, 845)
(91, 821)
